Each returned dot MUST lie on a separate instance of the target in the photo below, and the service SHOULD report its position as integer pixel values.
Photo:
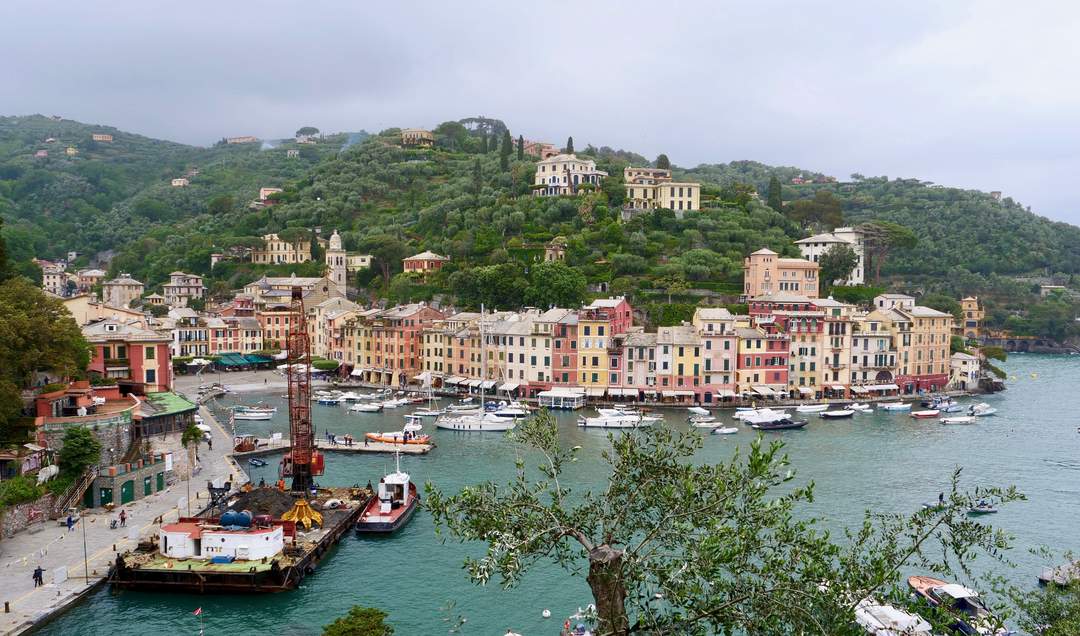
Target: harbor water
(885, 462)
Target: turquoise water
(882, 462)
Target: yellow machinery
(303, 514)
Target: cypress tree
(521, 148)
(507, 144)
(775, 199)
(663, 162)
(570, 145)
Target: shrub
(18, 490)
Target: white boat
(328, 401)
(894, 406)
(959, 419)
(465, 406)
(697, 410)
(513, 409)
(982, 409)
(925, 415)
(479, 423)
(349, 396)
(624, 411)
(835, 415)
(857, 406)
(725, 430)
(614, 421)
(762, 416)
(253, 412)
(811, 408)
(394, 404)
(426, 412)
(703, 421)
(366, 407)
(886, 620)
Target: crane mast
(303, 461)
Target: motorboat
(760, 415)
(697, 410)
(860, 406)
(256, 462)
(982, 507)
(982, 409)
(894, 406)
(836, 415)
(615, 421)
(253, 412)
(779, 425)
(475, 422)
(513, 409)
(366, 407)
(394, 404)
(885, 620)
(959, 419)
(427, 412)
(925, 415)
(624, 411)
(465, 406)
(943, 404)
(394, 505)
(349, 396)
(811, 408)
(328, 400)
(725, 430)
(411, 433)
(973, 617)
(703, 421)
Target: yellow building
(417, 137)
(277, 251)
(648, 188)
(593, 336)
(564, 174)
(970, 327)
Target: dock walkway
(270, 446)
(60, 553)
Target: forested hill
(461, 200)
(109, 193)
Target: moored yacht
(393, 507)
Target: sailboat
(477, 421)
(432, 409)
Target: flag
(198, 612)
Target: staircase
(71, 497)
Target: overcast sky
(964, 93)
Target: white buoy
(546, 613)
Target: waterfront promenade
(61, 553)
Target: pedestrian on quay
(210, 443)
(70, 523)
(39, 576)
(123, 518)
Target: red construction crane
(303, 461)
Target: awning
(562, 392)
(357, 372)
(488, 384)
(454, 379)
(763, 390)
(725, 393)
(423, 377)
(593, 391)
(509, 386)
(622, 392)
(859, 389)
(836, 387)
(883, 387)
(805, 390)
(474, 383)
(678, 393)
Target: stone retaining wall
(17, 518)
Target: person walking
(70, 523)
(123, 518)
(210, 443)
(39, 575)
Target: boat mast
(483, 359)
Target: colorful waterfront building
(719, 342)
(765, 272)
(131, 354)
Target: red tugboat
(396, 502)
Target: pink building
(134, 356)
(424, 262)
(764, 272)
(719, 352)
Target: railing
(72, 494)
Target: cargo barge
(263, 547)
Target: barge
(219, 553)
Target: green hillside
(463, 199)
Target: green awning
(232, 360)
(167, 403)
(255, 359)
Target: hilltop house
(278, 251)
(564, 173)
(417, 137)
(101, 137)
(180, 183)
(814, 246)
(120, 291)
(183, 287)
(764, 272)
(424, 262)
(648, 188)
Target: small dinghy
(697, 410)
(982, 508)
(366, 407)
(982, 409)
(725, 430)
(865, 408)
(959, 419)
(894, 406)
(256, 462)
(836, 415)
(779, 425)
(703, 421)
(811, 408)
(925, 415)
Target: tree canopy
(360, 621)
(673, 547)
(837, 263)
